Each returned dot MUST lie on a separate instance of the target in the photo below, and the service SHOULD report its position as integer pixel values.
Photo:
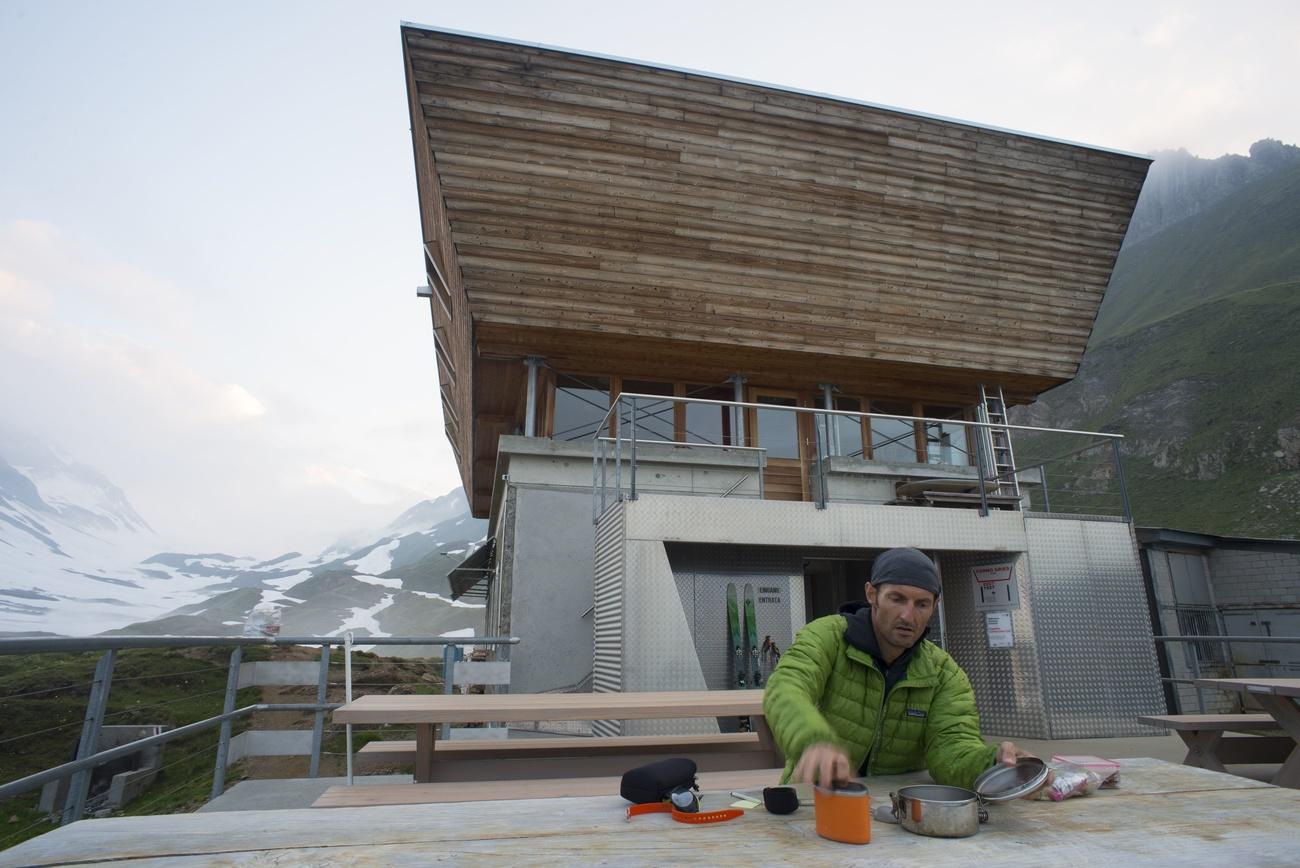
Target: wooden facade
(618, 218)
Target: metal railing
(88, 758)
(1202, 641)
(617, 432)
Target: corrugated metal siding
(609, 576)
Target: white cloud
(207, 460)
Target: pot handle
(984, 815)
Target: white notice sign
(995, 587)
(999, 629)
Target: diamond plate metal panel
(658, 647)
(703, 572)
(1096, 651)
(1007, 683)
(847, 525)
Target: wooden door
(785, 436)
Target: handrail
(32, 781)
(35, 645)
(980, 457)
(110, 645)
(853, 414)
(1226, 638)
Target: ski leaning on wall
(751, 636)
(737, 635)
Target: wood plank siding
(621, 218)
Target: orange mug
(843, 813)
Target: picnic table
(427, 713)
(1280, 697)
(1163, 814)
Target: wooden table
(1164, 814)
(1280, 697)
(427, 713)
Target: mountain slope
(1248, 240)
(1209, 400)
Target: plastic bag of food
(1069, 780)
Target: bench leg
(1203, 748)
(425, 734)
(767, 741)
(1287, 713)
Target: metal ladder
(997, 440)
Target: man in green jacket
(863, 691)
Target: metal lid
(1002, 783)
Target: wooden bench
(1208, 746)
(426, 713)
(522, 758)
(363, 795)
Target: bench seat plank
(418, 794)
(1229, 722)
(404, 750)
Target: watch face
(684, 800)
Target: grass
(43, 702)
(1201, 397)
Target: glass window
(892, 439)
(945, 442)
(778, 430)
(848, 430)
(709, 423)
(580, 406)
(654, 419)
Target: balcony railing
(968, 457)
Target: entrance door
(785, 436)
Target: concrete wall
(551, 589)
(1255, 578)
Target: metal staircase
(997, 440)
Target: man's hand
(1009, 754)
(822, 764)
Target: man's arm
(955, 753)
(790, 700)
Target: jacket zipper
(880, 725)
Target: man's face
(900, 614)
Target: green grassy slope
(1250, 239)
(1210, 401)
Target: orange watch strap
(682, 816)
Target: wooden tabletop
(1163, 814)
(511, 707)
(1275, 686)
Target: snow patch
(377, 560)
(376, 580)
(364, 619)
(288, 582)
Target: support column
(223, 744)
(738, 414)
(832, 430)
(530, 402)
(75, 804)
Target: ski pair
(744, 638)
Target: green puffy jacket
(826, 690)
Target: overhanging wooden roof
(566, 192)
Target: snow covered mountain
(76, 558)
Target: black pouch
(656, 781)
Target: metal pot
(939, 811)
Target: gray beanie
(905, 566)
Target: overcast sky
(209, 240)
